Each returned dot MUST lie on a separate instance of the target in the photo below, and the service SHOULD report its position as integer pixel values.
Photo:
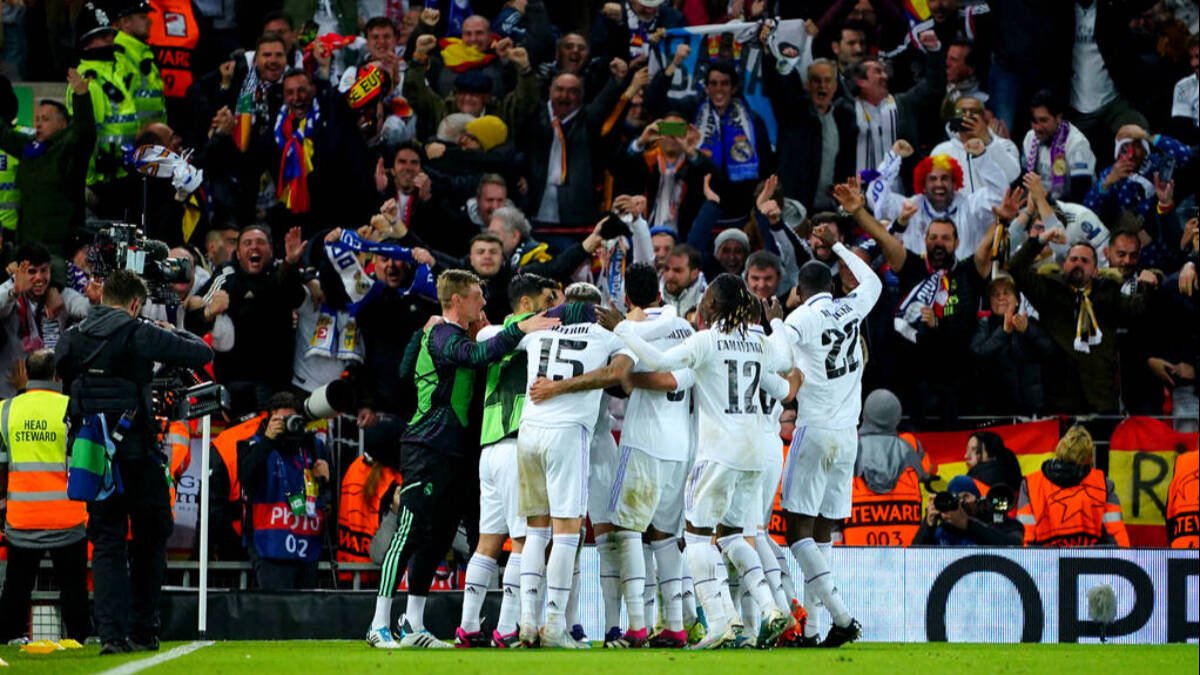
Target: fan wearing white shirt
(552, 466)
(644, 489)
(729, 363)
(823, 334)
(938, 180)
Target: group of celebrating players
(699, 456)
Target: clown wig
(927, 165)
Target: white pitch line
(139, 666)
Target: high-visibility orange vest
(777, 528)
(35, 437)
(177, 441)
(927, 462)
(174, 34)
(226, 446)
(888, 519)
(1070, 516)
(1183, 503)
(358, 512)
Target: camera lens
(945, 502)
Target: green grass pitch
(296, 657)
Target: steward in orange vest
(226, 508)
(176, 445)
(174, 33)
(366, 485)
(39, 518)
(1183, 510)
(1069, 502)
(887, 484)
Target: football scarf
(1058, 159)
(294, 139)
(1087, 329)
(728, 139)
(933, 292)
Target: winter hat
(489, 130)
(732, 233)
(961, 484)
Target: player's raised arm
(679, 356)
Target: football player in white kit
(730, 364)
(771, 457)
(817, 477)
(644, 490)
(552, 465)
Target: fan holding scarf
(1082, 312)
(940, 298)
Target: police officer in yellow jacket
(10, 194)
(136, 60)
(39, 518)
(113, 104)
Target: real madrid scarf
(639, 32)
(294, 138)
(1058, 160)
(1087, 329)
(1001, 245)
(359, 286)
(933, 292)
(877, 127)
(728, 139)
(252, 106)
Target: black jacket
(799, 135)
(1011, 366)
(107, 361)
(260, 307)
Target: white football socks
(510, 606)
(749, 569)
(610, 578)
(633, 576)
(480, 571)
(383, 612)
(669, 564)
(708, 573)
(415, 613)
(559, 571)
(820, 579)
(771, 570)
(533, 572)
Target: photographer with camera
(960, 516)
(106, 363)
(285, 477)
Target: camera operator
(961, 517)
(285, 477)
(195, 313)
(106, 363)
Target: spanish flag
(461, 57)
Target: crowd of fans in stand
(1020, 174)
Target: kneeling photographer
(285, 477)
(960, 516)
(106, 363)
